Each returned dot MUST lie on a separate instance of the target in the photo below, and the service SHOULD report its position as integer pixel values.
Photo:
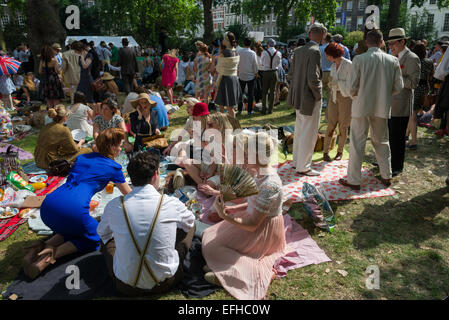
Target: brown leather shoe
(346, 184)
(385, 182)
(338, 156)
(326, 157)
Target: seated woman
(80, 113)
(159, 110)
(241, 250)
(144, 123)
(109, 82)
(66, 210)
(109, 118)
(55, 141)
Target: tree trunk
(45, 28)
(208, 36)
(393, 16)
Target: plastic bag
(15, 199)
(17, 181)
(318, 207)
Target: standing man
(375, 77)
(71, 68)
(402, 104)
(127, 61)
(58, 55)
(247, 72)
(105, 56)
(114, 54)
(305, 95)
(338, 38)
(24, 57)
(326, 67)
(270, 61)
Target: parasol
(8, 66)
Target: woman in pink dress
(241, 250)
(169, 72)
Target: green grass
(406, 236)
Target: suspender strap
(143, 261)
(272, 58)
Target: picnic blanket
(31, 168)
(9, 226)
(328, 182)
(23, 155)
(95, 282)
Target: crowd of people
(379, 87)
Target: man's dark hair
(374, 37)
(328, 37)
(125, 42)
(142, 167)
(247, 42)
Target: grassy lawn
(406, 236)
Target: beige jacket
(402, 103)
(305, 76)
(340, 79)
(71, 67)
(375, 77)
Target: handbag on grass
(320, 140)
(155, 141)
(98, 85)
(9, 161)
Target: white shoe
(212, 279)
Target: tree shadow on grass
(402, 222)
(423, 276)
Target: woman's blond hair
(262, 141)
(58, 113)
(191, 102)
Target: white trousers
(304, 141)
(381, 144)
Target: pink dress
(169, 72)
(241, 260)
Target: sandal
(326, 157)
(338, 156)
(45, 258)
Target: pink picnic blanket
(331, 172)
(23, 155)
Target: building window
(349, 6)
(359, 22)
(349, 24)
(274, 31)
(339, 8)
(430, 19)
(338, 21)
(361, 4)
(433, 1)
(446, 22)
(215, 26)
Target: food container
(110, 188)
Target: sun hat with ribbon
(200, 109)
(397, 34)
(142, 96)
(107, 76)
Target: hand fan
(236, 183)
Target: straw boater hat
(107, 76)
(56, 46)
(135, 103)
(397, 34)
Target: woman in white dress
(79, 115)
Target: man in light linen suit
(402, 104)
(305, 95)
(375, 77)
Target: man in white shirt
(145, 237)
(270, 60)
(247, 72)
(374, 79)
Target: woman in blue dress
(66, 210)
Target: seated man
(143, 248)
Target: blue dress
(66, 210)
(161, 111)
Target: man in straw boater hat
(375, 77)
(402, 104)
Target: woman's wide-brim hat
(143, 96)
(107, 76)
(397, 34)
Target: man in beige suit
(402, 104)
(305, 95)
(375, 77)
(71, 68)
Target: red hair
(334, 50)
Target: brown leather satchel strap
(136, 245)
